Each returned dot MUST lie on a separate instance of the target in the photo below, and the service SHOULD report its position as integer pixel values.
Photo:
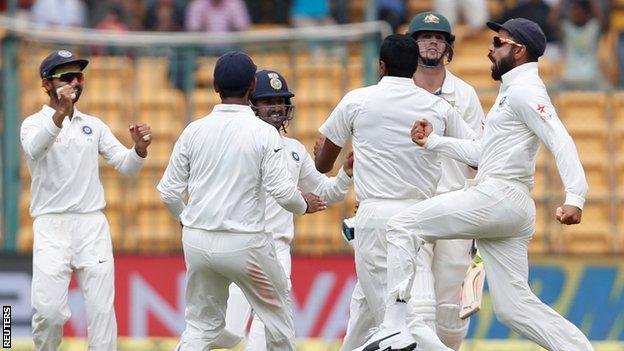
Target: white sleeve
(339, 125)
(456, 127)
(275, 176)
(125, 160)
(174, 182)
(540, 116)
(37, 137)
(473, 114)
(463, 150)
(329, 189)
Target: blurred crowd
(574, 28)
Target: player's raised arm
(128, 161)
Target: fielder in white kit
(71, 234)
(496, 208)
(390, 172)
(272, 103)
(227, 162)
(438, 302)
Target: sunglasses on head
(499, 41)
(67, 77)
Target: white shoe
(390, 340)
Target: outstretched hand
(420, 131)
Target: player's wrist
(141, 151)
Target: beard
(427, 61)
(504, 65)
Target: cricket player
(438, 301)
(71, 234)
(272, 103)
(227, 162)
(390, 173)
(496, 207)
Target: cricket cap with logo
(526, 32)
(270, 84)
(431, 22)
(59, 58)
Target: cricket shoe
(390, 340)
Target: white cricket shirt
(279, 222)
(63, 162)
(521, 116)
(225, 162)
(388, 165)
(464, 99)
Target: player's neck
(235, 101)
(430, 78)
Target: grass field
(167, 344)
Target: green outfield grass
(167, 344)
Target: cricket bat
(472, 289)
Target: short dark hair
(233, 93)
(400, 54)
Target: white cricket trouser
(369, 297)
(66, 243)
(239, 310)
(500, 214)
(214, 261)
(475, 12)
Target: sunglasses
(498, 42)
(67, 77)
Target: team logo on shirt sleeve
(87, 130)
(295, 156)
(545, 115)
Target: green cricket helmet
(431, 22)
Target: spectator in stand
(165, 15)
(308, 13)
(216, 16)
(475, 12)
(98, 9)
(580, 33)
(23, 8)
(62, 13)
(112, 20)
(391, 11)
(537, 11)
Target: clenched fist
(568, 214)
(420, 131)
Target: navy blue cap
(270, 84)
(234, 70)
(59, 58)
(526, 32)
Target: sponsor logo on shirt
(295, 156)
(541, 110)
(502, 101)
(87, 130)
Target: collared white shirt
(464, 99)
(521, 116)
(63, 162)
(279, 222)
(227, 162)
(380, 118)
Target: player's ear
(216, 87)
(382, 69)
(252, 86)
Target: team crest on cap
(431, 18)
(275, 82)
(64, 53)
(87, 130)
(295, 156)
